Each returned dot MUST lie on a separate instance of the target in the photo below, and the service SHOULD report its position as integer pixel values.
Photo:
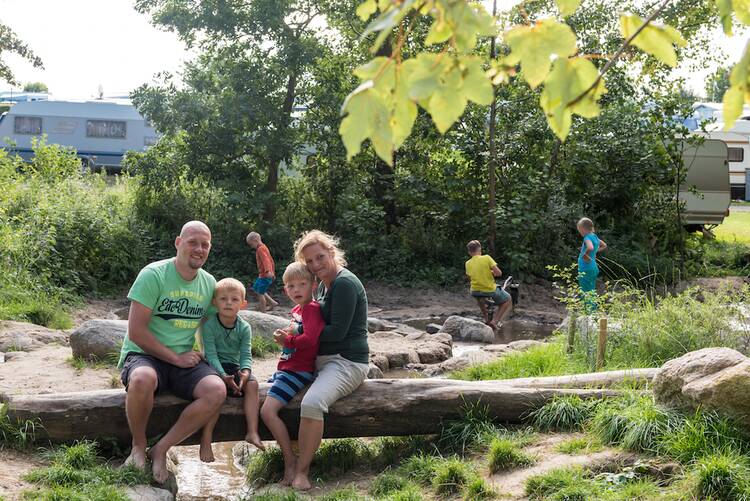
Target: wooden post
(600, 352)
(572, 331)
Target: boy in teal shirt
(227, 343)
(587, 268)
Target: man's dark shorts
(234, 370)
(176, 380)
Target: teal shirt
(177, 305)
(344, 309)
(227, 344)
(591, 265)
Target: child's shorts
(234, 370)
(500, 296)
(261, 285)
(286, 384)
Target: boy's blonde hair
(297, 271)
(328, 242)
(229, 284)
(586, 224)
(473, 246)
(253, 235)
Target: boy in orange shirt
(266, 271)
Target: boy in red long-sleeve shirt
(297, 362)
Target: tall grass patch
(723, 477)
(16, 434)
(505, 455)
(563, 413)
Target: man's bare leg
(251, 404)
(139, 401)
(206, 451)
(310, 435)
(209, 394)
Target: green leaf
(734, 100)
(656, 40)
(366, 9)
(476, 83)
(386, 21)
(440, 31)
(366, 116)
(533, 47)
(742, 9)
(423, 74)
(446, 106)
(569, 79)
(567, 7)
(725, 13)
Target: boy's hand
(587, 258)
(231, 384)
(244, 377)
(279, 336)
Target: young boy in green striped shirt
(227, 344)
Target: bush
(505, 455)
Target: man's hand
(188, 359)
(231, 385)
(279, 336)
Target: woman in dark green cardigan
(343, 357)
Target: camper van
(705, 191)
(100, 131)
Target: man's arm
(139, 333)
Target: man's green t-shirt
(227, 344)
(177, 306)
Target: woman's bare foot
(289, 471)
(137, 458)
(158, 465)
(254, 439)
(301, 482)
(206, 453)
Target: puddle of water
(421, 323)
(218, 481)
(516, 330)
(402, 373)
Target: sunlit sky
(88, 43)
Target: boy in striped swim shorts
(297, 363)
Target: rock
(497, 348)
(466, 329)
(374, 372)
(433, 328)
(390, 350)
(433, 353)
(376, 324)
(15, 355)
(122, 313)
(712, 378)
(22, 336)
(148, 493)
(242, 452)
(416, 336)
(98, 339)
(263, 324)
(523, 344)
(2, 357)
(381, 361)
(442, 337)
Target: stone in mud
(15, 355)
(416, 336)
(22, 336)
(98, 339)
(711, 379)
(522, 344)
(376, 324)
(433, 353)
(466, 329)
(374, 372)
(148, 493)
(263, 324)
(390, 350)
(433, 328)
(381, 361)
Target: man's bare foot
(206, 453)
(289, 471)
(137, 458)
(158, 465)
(301, 483)
(254, 439)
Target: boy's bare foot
(273, 303)
(206, 453)
(492, 324)
(289, 470)
(158, 465)
(254, 439)
(137, 458)
(301, 483)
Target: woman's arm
(343, 305)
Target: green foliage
(391, 450)
(287, 495)
(263, 347)
(504, 455)
(579, 445)
(548, 359)
(723, 477)
(35, 87)
(705, 432)
(561, 482)
(478, 489)
(387, 483)
(345, 494)
(451, 475)
(563, 413)
(474, 428)
(420, 468)
(265, 467)
(16, 434)
(633, 422)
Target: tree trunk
(492, 164)
(380, 407)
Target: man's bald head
(191, 226)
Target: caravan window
(28, 125)
(106, 128)
(735, 154)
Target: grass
(475, 428)
(391, 450)
(451, 475)
(722, 477)
(420, 468)
(478, 489)
(81, 363)
(736, 227)
(262, 347)
(275, 496)
(563, 413)
(704, 432)
(505, 455)
(548, 359)
(345, 494)
(580, 445)
(16, 434)
(546, 485)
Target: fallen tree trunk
(380, 407)
(590, 380)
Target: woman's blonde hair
(328, 242)
(586, 223)
(297, 271)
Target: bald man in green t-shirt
(168, 300)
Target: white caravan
(100, 131)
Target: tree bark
(492, 164)
(380, 407)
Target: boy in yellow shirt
(482, 270)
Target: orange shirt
(265, 262)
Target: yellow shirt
(479, 269)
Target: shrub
(504, 455)
(563, 413)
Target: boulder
(712, 378)
(22, 336)
(15, 355)
(148, 493)
(466, 329)
(433, 328)
(374, 372)
(98, 339)
(263, 324)
(376, 324)
(391, 350)
(381, 361)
